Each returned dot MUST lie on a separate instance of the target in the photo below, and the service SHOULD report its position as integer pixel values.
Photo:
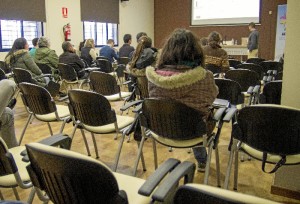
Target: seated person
(69, 57)
(179, 75)
(19, 57)
(108, 51)
(7, 129)
(35, 46)
(214, 54)
(88, 52)
(126, 49)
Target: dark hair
(65, 46)
(252, 25)
(144, 42)
(181, 46)
(35, 41)
(214, 39)
(81, 44)
(203, 41)
(110, 41)
(139, 35)
(19, 44)
(126, 38)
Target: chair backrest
(230, 90)
(67, 72)
(172, 119)
(37, 98)
(279, 76)
(142, 85)
(213, 68)
(123, 60)
(273, 129)
(103, 83)
(2, 75)
(69, 177)
(90, 108)
(44, 68)
(105, 65)
(271, 65)
(234, 62)
(4, 67)
(21, 75)
(199, 193)
(244, 77)
(102, 57)
(272, 93)
(255, 60)
(6, 164)
(254, 67)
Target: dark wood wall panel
(171, 14)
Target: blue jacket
(108, 52)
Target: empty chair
(216, 70)
(234, 63)
(271, 65)
(254, 67)
(198, 193)
(106, 85)
(69, 177)
(255, 60)
(68, 75)
(269, 133)
(105, 65)
(271, 93)
(92, 112)
(40, 105)
(279, 76)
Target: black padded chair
(92, 112)
(216, 70)
(69, 76)
(271, 93)
(199, 193)
(279, 76)
(69, 177)
(271, 65)
(44, 68)
(105, 65)
(123, 60)
(255, 60)
(106, 85)
(254, 67)
(269, 133)
(234, 63)
(2, 75)
(4, 67)
(21, 75)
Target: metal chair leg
(208, 161)
(95, 145)
(155, 153)
(117, 130)
(236, 170)
(31, 195)
(23, 132)
(85, 142)
(50, 129)
(170, 149)
(143, 162)
(139, 154)
(16, 193)
(227, 177)
(218, 166)
(63, 126)
(1, 195)
(119, 152)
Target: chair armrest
(130, 104)
(274, 72)
(256, 89)
(269, 72)
(218, 114)
(250, 90)
(230, 113)
(184, 170)
(138, 108)
(126, 82)
(151, 183)
(220, 103)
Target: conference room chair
(123, 60)
(44, 68)
(253, 67)
(106, 85)
(199, 193)
(176, 125)
(2, 74)
(105, 66)
(13, 171)
(86, 180)
(92, 112)
(255, 60)
(269, 133)
(271, 93)
(271, 65)
(278, 76)
(216, 70)
(41, 106)
(234, 63)
(5, 68)
(68, 76)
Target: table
(238, 50)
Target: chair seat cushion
(177, 143)
(131, 185)
(9, 180)
(116, 97)
(63, 111)
(291, 159)
(122, 121)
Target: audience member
(126, 49)
(252, 41)
(214, 54)
(19, 57)
(179, 75)
(35, 46)
(203, 41)
(7, 129)
(70, 57)
(139, 35)
(88, 52)
(108, 51)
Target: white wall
(291, 83)
(135, 16)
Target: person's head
(67, 47)
(203, 41)
(35, 41)
(214, 39)
(81, 44)
(19, 44)
(127, 38)
(181, 46)
(43, 42)
(139, 35)
(110, 42)
(144, 42)
(251, 26)
(89, 43)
